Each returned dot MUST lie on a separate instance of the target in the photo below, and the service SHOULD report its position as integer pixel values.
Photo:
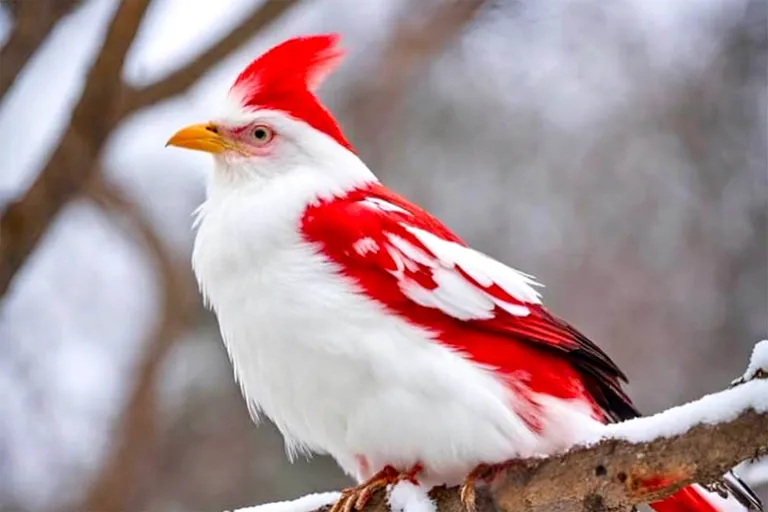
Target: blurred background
(614, 149)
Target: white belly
(339, 375)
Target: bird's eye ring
(262, 134)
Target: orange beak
(201, 137)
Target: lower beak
(202, 137)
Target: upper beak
(202, 137)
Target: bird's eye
(262, 134)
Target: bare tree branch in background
(11, 6)
(72, 169)
(415, 41)
(181, 79)
(34, 20)
(74, 160)
(137, 427)
(105, 102)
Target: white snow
(758, 361)
(407, 497)
(403, 497)
(711, 409)
(305, 504)
(716, 408)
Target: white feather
(466, 302)
(365, 245)
(454, 294)
(334, 370)
(484, 269)
(383, 205)
(411, 252)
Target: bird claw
(482, 473)
(468, 496)
(356, 498)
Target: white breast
(335, 372)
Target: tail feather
(689, 499)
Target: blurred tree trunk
(72, 162)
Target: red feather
(540, 352)
(547, 354)
(285, 77)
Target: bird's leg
(482, 473)
(355, 498)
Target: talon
(349, 503)
(341, 503)
(482, 473)
(356, 498)
(468, 496)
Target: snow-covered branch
(633, 462)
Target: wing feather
(416, 266)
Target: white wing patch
(483, 269)
(453, 293)
(386, 206)
(365, 245)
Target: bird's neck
(293, 186)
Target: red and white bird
(360, 324)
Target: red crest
(286, 76)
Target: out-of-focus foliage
(616, 150)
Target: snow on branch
(633, 462)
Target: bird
(360, 324)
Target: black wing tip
(742, 492)
(603, 373)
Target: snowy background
(616, 150)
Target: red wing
(414, 265)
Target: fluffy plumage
(360, 324)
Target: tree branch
(183, 78)
(34, 19)
(74, 160)
(105, 102)
(617, 474)
(137, 427)
(637, 461)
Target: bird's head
(273, 122)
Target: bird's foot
(355, 498)
(482, 473)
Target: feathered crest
(286, 76)
(298, 63)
